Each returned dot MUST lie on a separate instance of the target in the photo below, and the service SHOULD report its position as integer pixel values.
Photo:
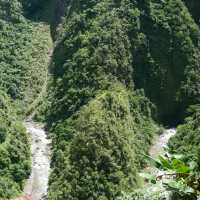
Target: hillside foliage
(118, 68)
(98, 150)
(24, 53)
(168, 57)
(24, 58)
(14, 150)
(186, 141)
(152, 46)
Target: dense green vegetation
(92, 55)
(168, 57)
(97, 151)
(92, 50)
(178, 181)
(151, 45)
(186, 141)
(154, 45)
(14, 150)
(24, 57)
(117, 67)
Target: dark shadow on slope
(194, 7)
(160, 63)
(49, 11)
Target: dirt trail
(37, 184)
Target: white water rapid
(158, 148)
(37, 184)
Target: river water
(158, 148)
(37, 184)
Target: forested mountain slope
(98, 150)
(147, 45)
(24, 52)
(24, 48)
(156, 41)
(167, 62)
(117, 69)
(14, 150)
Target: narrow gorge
(89, 93)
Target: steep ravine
(37, 185)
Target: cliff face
(167, 60)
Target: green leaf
(179, 166)
(165, 163)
